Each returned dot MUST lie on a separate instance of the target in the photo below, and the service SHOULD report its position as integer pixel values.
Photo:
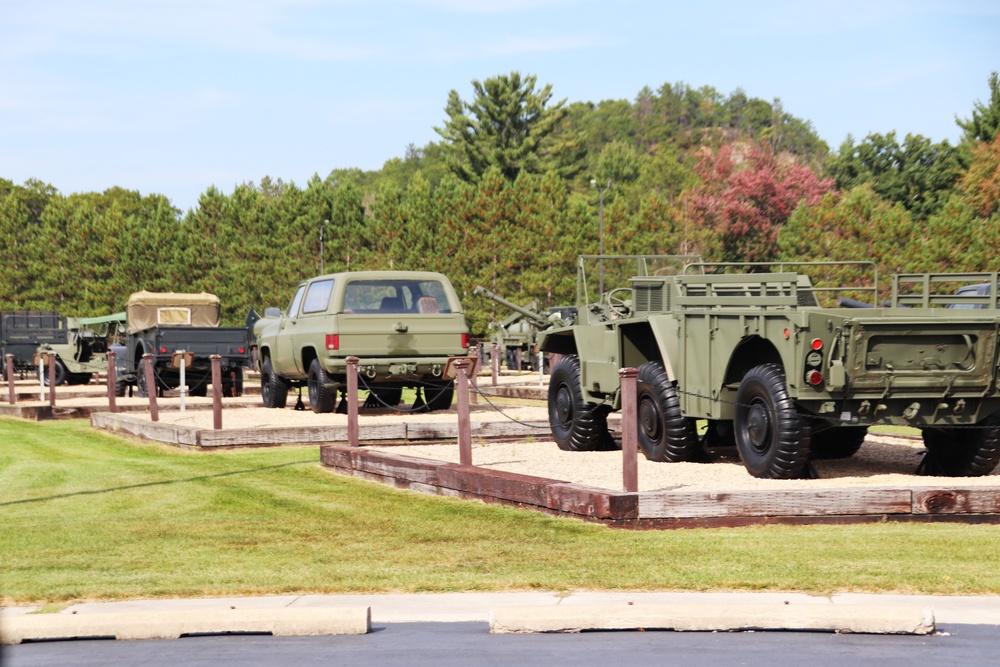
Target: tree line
(515, 191)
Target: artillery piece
(517, 334)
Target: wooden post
(154, 411)
(630, 424)
(474, 398)
(352, 401)
(112, 382)
(52, 379)
(464, 428)
(495, 362)
(9, 364)
(216, 391)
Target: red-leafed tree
(747, 194)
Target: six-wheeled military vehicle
(517, 334)
(84, 353)
(402, 325)
(22, 331)
(172, 326)
(764, 364)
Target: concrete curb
(174, 624)
(705, 617)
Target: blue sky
(174, 97)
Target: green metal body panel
(397, 343)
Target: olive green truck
(402, 325)
(753, 359)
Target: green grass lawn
(87, 515)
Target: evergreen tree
(504, 126)
(917, 173)
(985, 122)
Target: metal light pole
(600, 248)
(322, 265)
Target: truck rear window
(396, 297)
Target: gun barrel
(530, 314)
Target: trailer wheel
(273, 389)
(664, 433)
(322, 398)
(771, 437)
(963, 452)
(60, 373)
(837, 443)
(576, 425)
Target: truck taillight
(242, 350)
(333, 341)
(466, 340)
(815, 378)
(163, 350)
(817, 344)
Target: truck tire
(664, 433)
(120, 388)
(837, 443)
(60, 373)
(576, 425)
(962, 452)
(273, 389)
(771, 437)
(322, 398)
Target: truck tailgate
(203, 341)
(427, 335)
(959, 355)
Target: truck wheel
(273, 388)
(576, 425)
(837, 443)
(120, 388)
(60, 373)
(664, 433)
(965, 452)
(771, 437)
(321, 397)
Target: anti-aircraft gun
(516, 335)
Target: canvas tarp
(150, 309)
